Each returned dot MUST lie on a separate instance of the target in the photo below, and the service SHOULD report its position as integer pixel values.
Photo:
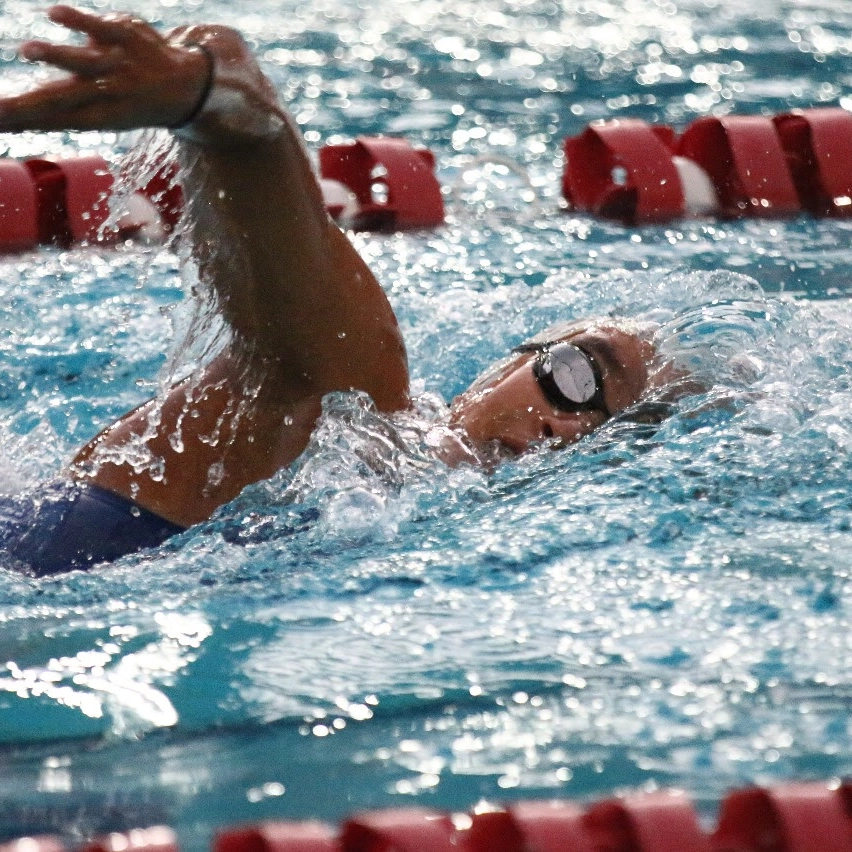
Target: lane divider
(394, 185)
(66, 201)
(733, 166)
(625, 170)
(791, 817)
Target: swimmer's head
(559, 386)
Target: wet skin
(509, 407)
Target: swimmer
(306, 316)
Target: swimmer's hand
(126, 76)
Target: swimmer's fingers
(113, 40)
(86, 61)
(159, 93)
(105, 29)
(126, 76)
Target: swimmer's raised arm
(308, 315)
(126, 76)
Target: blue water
(648, 608)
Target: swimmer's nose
(522, 430)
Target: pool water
(652, 607)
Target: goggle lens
(572, 373)
(568, 375)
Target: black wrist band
(205, 92)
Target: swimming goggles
(568, 375)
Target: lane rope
(788, 817)
(625, 170)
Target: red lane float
(745, 161)
(374, 184)
(64, 202)
(164, 191)
(792, 817)
(393, 184)
(73, 198)
(544, 826)
(655, 822)
(818, 146)
(308, 836)
(645, 822)
(624, 170)
(789, 818)
(18, 207)
(732, 166)
(400, 830)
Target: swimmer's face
(507, 405)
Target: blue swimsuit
(71, 525)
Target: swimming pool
(650, 607)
